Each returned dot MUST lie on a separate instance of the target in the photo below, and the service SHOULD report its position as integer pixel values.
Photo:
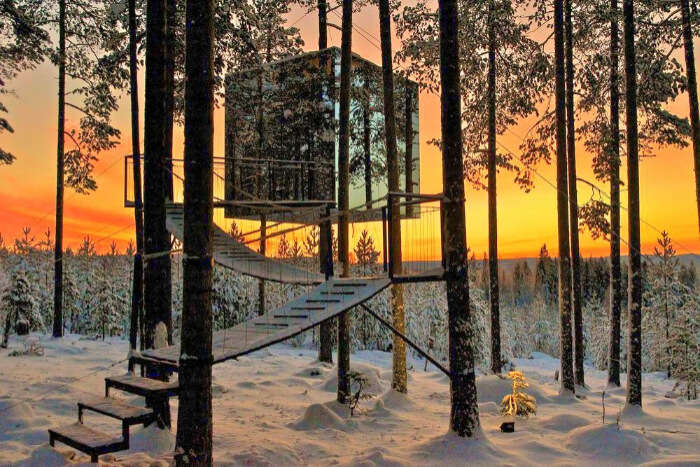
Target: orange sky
(526, 221)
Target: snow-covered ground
(275, 408)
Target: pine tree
(194, 428)
(106, 319)
(634, 303)
(344, 195)
(661, 299)
(18, 302)
(565, 290)
(399, 377)
(365, 252)
(82, 39)
(464, 414)
(157, 270)
(684, 351)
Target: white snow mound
(319, 416)
(564, 422)
(608, 442)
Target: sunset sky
(526, 221)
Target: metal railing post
(384, 240)
(390, 214)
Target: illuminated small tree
(518, 404)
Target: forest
(258, 275)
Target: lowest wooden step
(87, 440)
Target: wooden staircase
(94, 442)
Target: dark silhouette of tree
(399, 376)
(137, 276)
(464, 414)
(343, 195)
(157, 275)
(692, 89)
(566, 351)
(82, 56)
(194, 428)
(60, 168)
(325, 349)
(614, 174)
(634, 301)
(579, 350)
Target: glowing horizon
(526, 221)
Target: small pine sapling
(358, 383)
(18, 302)
(518, 404)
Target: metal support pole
(408, 341)
(384, 239)
(390, 214)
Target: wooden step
(141, 386)
(127, 413)
(87, 440)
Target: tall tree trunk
(464, 413)
(692, 95)
(566, 351)
(261, 282)
(137, 284)
(634, 348)
(343, 195)
(171, 19)
(325, 349)
(579, 377)
(494, 298)
(58, 247)
(194, 427)
(615, 267)
(399, 377)
(157, 286)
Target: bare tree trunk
(579, 351)
(692, 95)
(634, 349)
(615, 267)
(325, 349)
(343, 195)
(194, 427)
(157, 286)
(399, 376)
(464, 414)
(137, 278)
(566, 351)
(58, 247)
(494, 296)
(171, 19)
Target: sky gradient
(526, 221)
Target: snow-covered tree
(684, 350)
(662, 298)
(106, 318)
(18, 302)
